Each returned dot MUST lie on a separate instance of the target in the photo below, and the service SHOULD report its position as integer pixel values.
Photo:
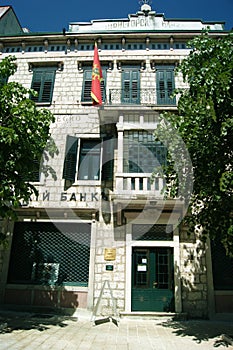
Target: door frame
(130, 244)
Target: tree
(204, 122)
(24, 141)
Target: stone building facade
(101, 234)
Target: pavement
(19, 330)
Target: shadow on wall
(193, 275)
(47, 297)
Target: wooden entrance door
(152, 279)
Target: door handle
(155, 284)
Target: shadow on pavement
(201, 331)
(41, 322)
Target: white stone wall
(116, 278)
(83, 121)
(193, 274)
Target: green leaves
(24, 136)
(205, 124)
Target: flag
(97, 77)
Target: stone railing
(136, 183)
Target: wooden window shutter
(70, 160)
(108, 159)
(86, 93)
(165, 85)
(36, 84)
(42, 83)
(47, 88)
(131, 86)
(87, 79)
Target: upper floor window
(141, 153)
(165, 85)
(85, 153)
(89, 160)
(87, 80)
(130, 85)
(43, 83)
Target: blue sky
(53, 15)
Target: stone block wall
(193, 275)
(116, 278)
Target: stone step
(150, 315)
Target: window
(222, 266)
(42, 83)
(3, 80)
(87, 79)
(38, 255)
(165, 85)
(130, 85)
(34, 174)
(88, 159)
(141, 153)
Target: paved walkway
(27, 331)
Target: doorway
(152, 279)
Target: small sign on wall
(110, 254)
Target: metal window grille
(47, 253)
(141, 153)
(141, 232)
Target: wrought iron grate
(47, 253)
(145, 232)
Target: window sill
(43, 103)
(86, 103)
(87, 183)
(69, 287)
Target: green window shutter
(86, 92)
(3, 80)
(131, 86)
(34, 174)
(35, 177)
(70, 161)
(42, 83)
(87, 79)
(165, 85)
(36, 84)
(108, 159)
(47, 88)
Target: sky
(54, 15)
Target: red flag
(97, 77)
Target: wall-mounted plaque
(109, 267)
(110, 254)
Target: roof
(3, 10)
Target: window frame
(43, 81)
(165, 85)
(131, 142)
(130, 77)
(87, 81)
(73, 154)
(91, 153)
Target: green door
(152, 279)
